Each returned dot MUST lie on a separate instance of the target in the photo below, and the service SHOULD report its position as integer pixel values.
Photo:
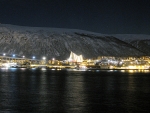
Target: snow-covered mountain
(140, 41)
(58, 43)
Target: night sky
(103, 16)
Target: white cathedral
(75, 58)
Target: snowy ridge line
(45, 29)
(130, 37)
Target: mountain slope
(58, 43)
(142, 42)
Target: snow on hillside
(7, 27)
(140, 41)
(58, 43)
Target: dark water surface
(47, 91)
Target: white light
(44, 58)
(23, 56)
(13, 55)
(33, 57)
(4, 54)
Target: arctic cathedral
(75, 58)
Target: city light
(101, 63)
(33, 57)
(44, 58)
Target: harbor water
(62, 91)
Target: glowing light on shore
(33, 57)
(44, 58)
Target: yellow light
(131, 71)
(131, 67)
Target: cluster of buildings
(111, 62)
(77, 62)
(123, 62)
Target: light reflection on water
(32, 90)
(128, 70)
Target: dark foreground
(47, 91)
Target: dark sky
(103, 16)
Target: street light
(23, 56)
(4, 55)
(14, 55)
(44, 58)
(33, 57)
